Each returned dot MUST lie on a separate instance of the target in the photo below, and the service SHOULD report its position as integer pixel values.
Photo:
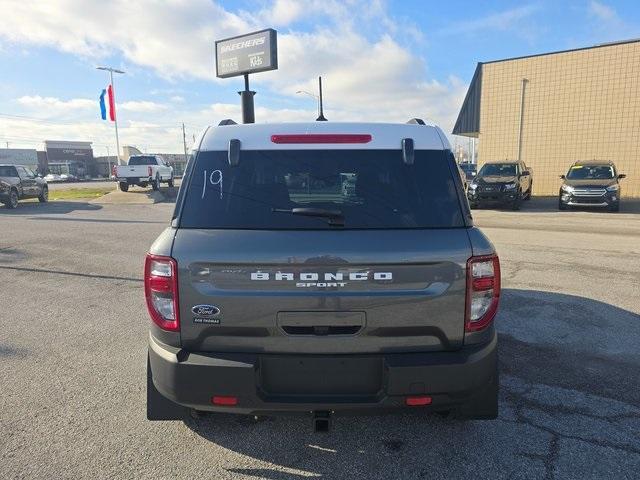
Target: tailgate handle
(321, 323)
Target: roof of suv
(384, 136)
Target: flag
(112, 104)
(103, 108)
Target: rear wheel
(614, 208)
(124, 186)
(561, 206)
(44, 195)
(528, 196)
(170, 183)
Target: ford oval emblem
(205, 310)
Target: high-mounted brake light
(161, 291)
(321, 138)
(483, 292)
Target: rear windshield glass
(591, 172)
(498, 169)
(368, 188)
(8, 172)
(142, 161)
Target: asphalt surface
(73, 328)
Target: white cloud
(514, 19)
(48, 104)
(368, 72)
(602, 11)
(142, 106)
(607, 25)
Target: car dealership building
(553, 109)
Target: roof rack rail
(226, 121)
(417, 121)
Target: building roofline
(598, 45)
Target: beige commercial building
(553, 109)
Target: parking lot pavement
(73, 353)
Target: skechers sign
(251, 53)
(312, 279)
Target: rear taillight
(113, 171)
(149, 171)
(321, 138)
(483, 291)
(161, 291)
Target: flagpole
(115, 116)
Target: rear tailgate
(130, 171)
(288, 291)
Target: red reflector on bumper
(226, 401)
(321, 138)
(417, 401)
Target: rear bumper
(265, 383)
(132, 180)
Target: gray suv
(277, 290)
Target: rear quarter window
(372, 189)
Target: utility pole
(184, 142)
(111, 70)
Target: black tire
(561, 206)
(516, 202)
(124, 186)
(12, 201)
(473, 205)
(170, 183)
(528, 196)
(155, 185)
(615, 207)
(44, 195)
(158, 406)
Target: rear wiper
(334, 217)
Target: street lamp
(111, 71)
(318, 98)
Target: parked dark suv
(501, 183)
(18, 182)
(272, 294)
(591, 184)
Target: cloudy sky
(380, 60)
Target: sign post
(251, 53)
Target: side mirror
(562, 177)
(526, 173)
(622, 175)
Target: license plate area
(320, 375)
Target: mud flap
(160, 407)
(483, 405)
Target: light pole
(318, 98)
(111, 71)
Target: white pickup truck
(143, 170)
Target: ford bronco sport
(276, 289)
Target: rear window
(8, 172)
(142, 161)
(371, 189)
